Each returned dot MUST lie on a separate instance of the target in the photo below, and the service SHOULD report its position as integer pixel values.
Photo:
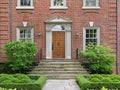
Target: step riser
(57, 69)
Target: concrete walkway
(61, 85)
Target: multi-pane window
(91, 3)
(58, 4)
(91, 35)
(25, 4)
(25, 34)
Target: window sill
(91, 8)
(25, 8)
(59, 8)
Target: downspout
(10, 16)
(117, 71)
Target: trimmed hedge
(6, 89)
(37, 84)
(86, 82)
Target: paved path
(61, 85)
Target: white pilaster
(68, 45)
(49, 45)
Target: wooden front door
(58, 44)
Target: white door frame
(49, 28)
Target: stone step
(60, 76)
(57, 63)
(59, 60)
(59, 69)
(58, 66)
(59, 72)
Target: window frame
(24, 7)
(58, 7)
(84, 35)
(18, 29)
(91, 7)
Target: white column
(68, 45)
(49, 45)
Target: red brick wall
(119, 37)
(4, 25)
(105, 18)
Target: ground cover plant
(22, 82)
(97, 81)
(98, 58)
(20, 55)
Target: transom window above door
(91, 4)
(24, 4)
(58, 4)
(58, 28)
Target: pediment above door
(58, 20)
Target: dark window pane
(95, 35)
(91, 35)
(91, 31)
(87, 31)
(87, 35)
(25, 2)
(95, 31)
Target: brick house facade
(79, 21)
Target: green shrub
(106, 80)
(99, 58)
(95, 80)
(97, 76)
(5, 77)
(20, 54)
(38, 83)
(18, 78)
(87, 84)
(6, 81)
(6, 89)
(23, 78)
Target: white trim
(67, 45)
(59, 7)
(90, 7)
(32, 34)
(49, 40)
(24, 7)
(17, 33)
(84, 35)
(48, 45)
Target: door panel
(58, 44)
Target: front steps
(59, 69)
